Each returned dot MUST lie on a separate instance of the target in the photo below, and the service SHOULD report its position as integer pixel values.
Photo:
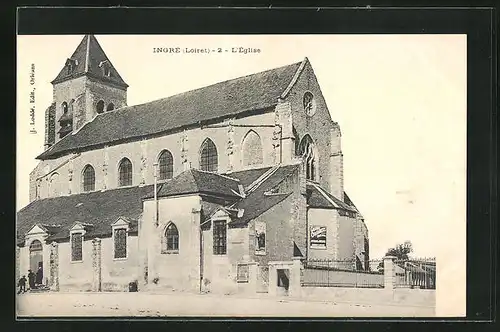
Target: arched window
(166, 165)
(110, 107)
(125, 172)
(54, 186)
(252, 149)
(171, 238)
(88, 178)
(36, 245)
(99, 106)
(120, 237)
(208, 156)
(307, 152)
(64, 107)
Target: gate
(262, 279)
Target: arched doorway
(36, 257)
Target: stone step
(40, 289)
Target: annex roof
(99, 209)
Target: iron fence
(415, 273)
(342, 273)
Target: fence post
(252, 277)
(389, 280)
(273, 280)
(295, 286)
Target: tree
(401, 251)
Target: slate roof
(196, 181)
(88, 56)
(247, 177)
(317, 199)
(99, 209)
(230, 98)
(257, 202)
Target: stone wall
(98, 270)
(178, 270)
(66, 92)
(318, 126)
(184, 146)
(328, 218)
(346, 243)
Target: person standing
(39, 275)
(31, 279)
(22, 285)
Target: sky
(400, 101)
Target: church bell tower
(87, 85)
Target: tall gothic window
(64, 107)
(54, 185)
(76, 246)
(219, 237)
(252, 149)
(88, 178)
(307, 152)
(172, 237)
(208, 156)
(166, 165)
(125, 173)
(120, 237)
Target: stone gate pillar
(389, 280)
(54, 266)
(295, 277)
(96, 265)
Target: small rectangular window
(260, 238)
(76, 247)
(120, 243)
(219, 237)
(242, 273)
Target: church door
(36, 256)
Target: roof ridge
(295, 78)
(219, 174)
(261, 179)
(324, 194)
(87, 54)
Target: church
(184, 192)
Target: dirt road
(177, 304)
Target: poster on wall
(260, 238)
(318, 237)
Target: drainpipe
(155, 166)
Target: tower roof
(89, 59)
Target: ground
(181, 304)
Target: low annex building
(184, 192)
